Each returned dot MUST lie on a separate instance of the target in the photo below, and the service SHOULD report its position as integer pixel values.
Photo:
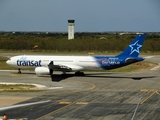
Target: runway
(96, 96)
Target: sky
(89, 15)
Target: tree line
(82, 42)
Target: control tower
(70, 29)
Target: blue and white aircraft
(47, 64)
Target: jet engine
(42, 71)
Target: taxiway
(96, 96)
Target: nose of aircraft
(8, 61)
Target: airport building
(70, 29)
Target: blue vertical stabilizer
(134, 47)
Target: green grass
(18, 88)
(50, 52)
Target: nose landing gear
(19, 71)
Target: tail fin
(134, 47)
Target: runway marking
(155, 68)
(78, 103)
(8, 70)
(148, 90)
(38, 86)
(16, 75)
(149, 57)
(93, 86)
(157, 92)
(65, 102)
(144, 90)
(53, 111)
(148, 97)
(136, 108)
(68, 104)
(55, 87)
(87, 89)
(81, 103)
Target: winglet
(134, 47)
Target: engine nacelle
(42, 71)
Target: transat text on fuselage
(24, 62)
(29, 63)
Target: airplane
(47, 64)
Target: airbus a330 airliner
(47, 64)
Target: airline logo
(108, 61)
(24, 62)
(135, 47)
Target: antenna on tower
(70, 29)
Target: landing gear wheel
(63, 75)
(78, 73)
(19, 71)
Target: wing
(64, 67)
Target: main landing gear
(19, 71)
(78, 73)
(50, 71)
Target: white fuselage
(30, 61)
